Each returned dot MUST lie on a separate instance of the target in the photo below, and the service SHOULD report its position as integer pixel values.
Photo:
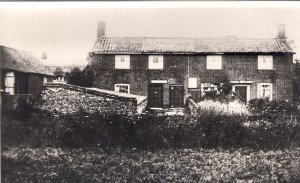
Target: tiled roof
(22, 61)
(189, 45)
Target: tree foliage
(83, 78)
(297, 69)
(58, 72)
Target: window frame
(118, 58)
(260, 65)
(128, 85)
(212, 56)
(155, 56)
(271, 89)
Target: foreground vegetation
(134, 165)
(42, 144)
(276, 126)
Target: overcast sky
(67, 34)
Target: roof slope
(189, 45)
(22, 61)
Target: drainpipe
(188, 67)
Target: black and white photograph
(150, 91)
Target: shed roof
(190, 45)
(22, 61)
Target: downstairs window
(122, 88)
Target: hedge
(207, 129)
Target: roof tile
(189, 45)
(22, 61)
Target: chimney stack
(101, 29)
(281, 31)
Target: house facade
(166, 70)
(22, 72)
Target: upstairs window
(122, 62)
(265, 90)
(122, 88)
(265, 62)
(156, 62)
(214, 62)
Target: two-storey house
(167, 69)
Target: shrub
(207, 129)
(264, 108)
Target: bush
(266, 109)
(207, 129)
(83, 78)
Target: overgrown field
(165, 165)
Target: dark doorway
(176, 96)
(242, 92)
(155, 95)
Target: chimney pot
(101, 29)
(281, 31)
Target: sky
(68, 32)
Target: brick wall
(236, 67)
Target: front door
(176, 96)
(155, 95)
(242, 92)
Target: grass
(135, 165)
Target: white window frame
(119, 59)
(214, 62)
(248, 96)
(268, 65)
(156, 66)
(260, 85)
(192, 82)
(116, 90)
(10, 80)
(210, 86)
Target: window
(122, 88)
(122, 62)
(192, 83)
(265, 62)
(156, 62)
(214, 62)
(207, 87)
(10, 83)
(44, 79)
(265, 90)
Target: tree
(88, 76)
(83, 78)
(297, 69)
(75, 77)
(58, 72)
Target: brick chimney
(281, 31)
(101, 29)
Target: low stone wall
(119, 101)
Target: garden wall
(69, 98)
